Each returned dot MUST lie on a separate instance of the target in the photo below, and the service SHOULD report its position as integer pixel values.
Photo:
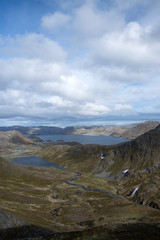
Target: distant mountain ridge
(128, 131)
(39, 130)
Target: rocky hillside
(132, 165)
(101, 130)
(136, 130)
(101, 192)
(138, 155)
(135, 166)
(128, 131)
(10, 138)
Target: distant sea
(84, 139)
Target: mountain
(10, 138)
(135, 165)
(128, 131)
(131, 165)
(135, 130)
(99, 192)
(138, 154)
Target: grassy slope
(84, 159)
(41, 197)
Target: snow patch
(135, 191)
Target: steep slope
(136, 130)
(74, 156)
(138, 154)
(128, 131)
(135, 166)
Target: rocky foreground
(37, 202)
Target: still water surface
(35, 162)
(84, 139)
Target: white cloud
(55, 21)
(33, 46)
(126, 48)
(28, 74)
(84, 23)
(120, 107)
(93, 109)
(90, 22)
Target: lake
(84, 139)
(35, 161)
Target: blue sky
(72, 62)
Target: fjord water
(84, 139)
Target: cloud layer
(87, 61)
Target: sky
(79, 62)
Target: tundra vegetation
(38, 202)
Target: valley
(51, 203)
